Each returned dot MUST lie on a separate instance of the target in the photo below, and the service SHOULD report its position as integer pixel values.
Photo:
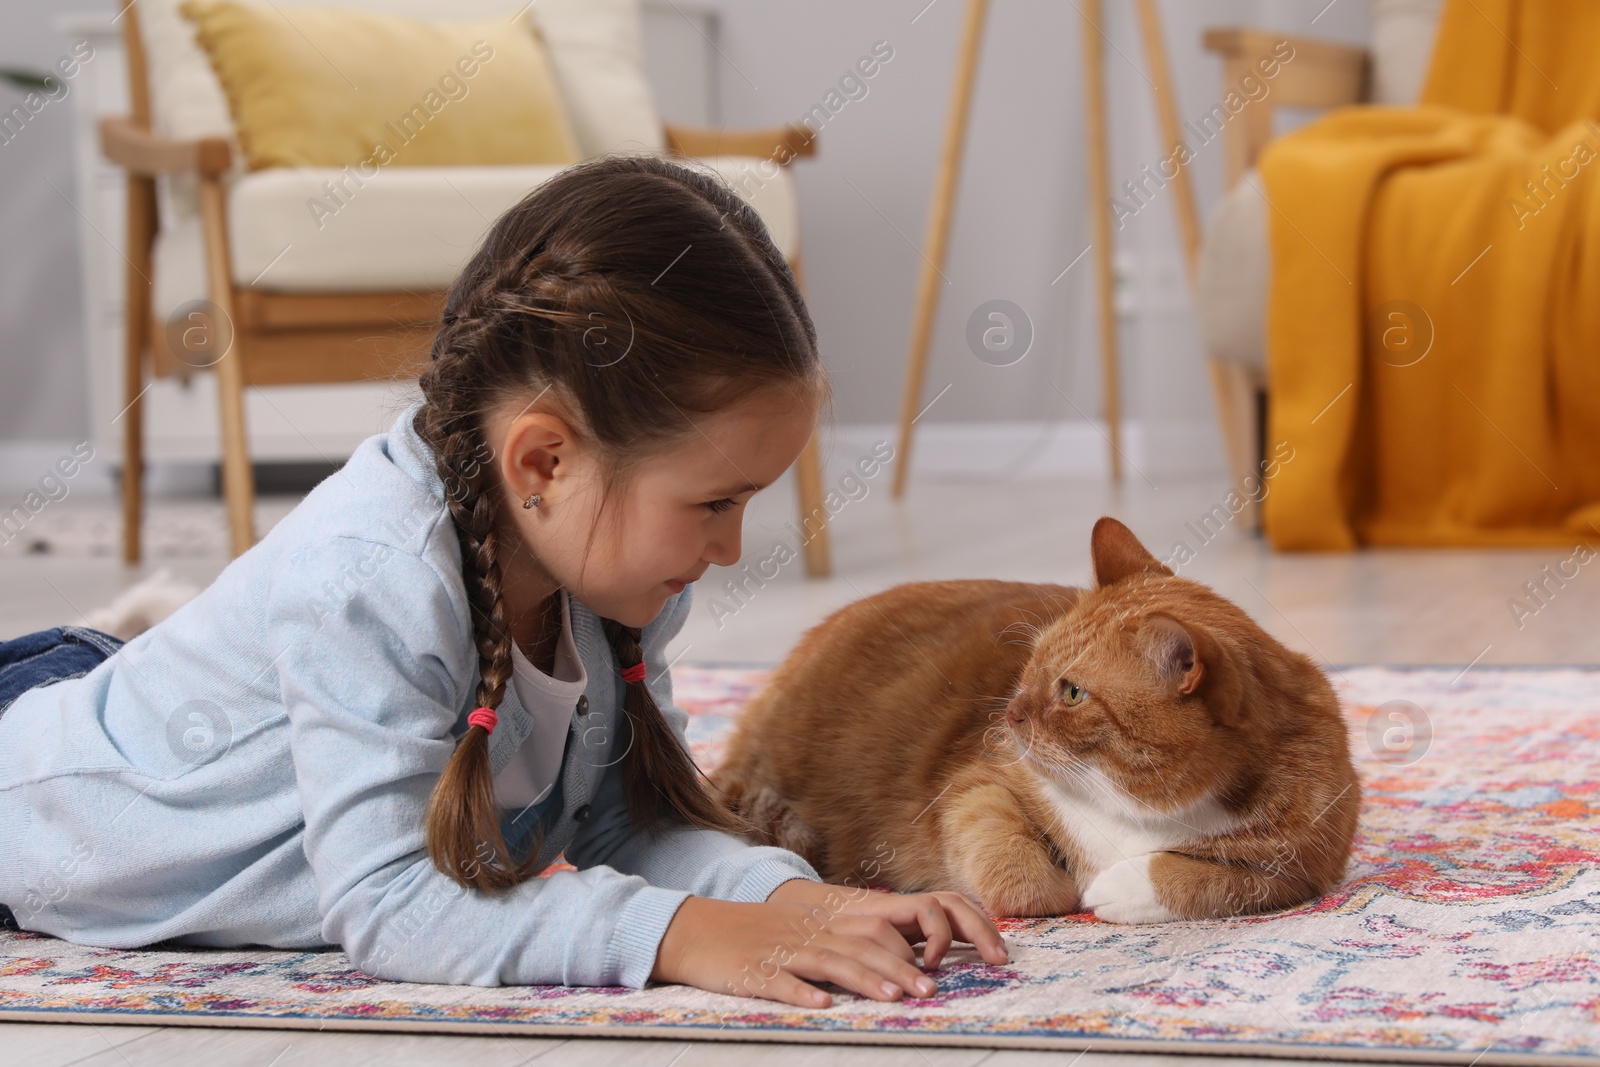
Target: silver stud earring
(533, 501)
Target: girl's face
(679, 513)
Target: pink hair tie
(484, 717)
(634, 673)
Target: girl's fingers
(881, 932)
(974, 927)
(935, 929)
(889, 964)
(788, 989)
(839, 966)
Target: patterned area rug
(1465, 933)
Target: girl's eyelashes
(722, 505)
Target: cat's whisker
(1030, 634)
(1023, 624)
(1100, 783)
(1031, 613)
(991, 734)
(1057, 598)
(996, 709)
(1007, 736)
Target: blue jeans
(46, 656)
(51, 656)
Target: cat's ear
(1175, 651)
(1118, 554)
(1191, 660)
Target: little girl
(445, 667)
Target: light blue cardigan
(255, 768)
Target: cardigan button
(583, 704)
(581, 814)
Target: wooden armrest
(1295, 71)
(780, 143)
(1229, 40)
(141, 152)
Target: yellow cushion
(318, 87)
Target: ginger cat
(1150, 754)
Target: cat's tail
(772, 814)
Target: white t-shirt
(551, 700)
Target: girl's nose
(724, 552)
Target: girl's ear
(1191, 660)
(1117, 554)
(535, 442)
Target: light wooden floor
(1411, 606)
(50, 1045)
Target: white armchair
(1235, 266)
(295, 297)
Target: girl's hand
(937, 918)
(769, 949)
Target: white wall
(1022, 211)
(1020, 219)
(41, 331)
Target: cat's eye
(1072, 695)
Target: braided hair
(631, 292)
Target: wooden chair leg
(808, 478)
(936, 239)
(141, 225)
(238, 483)
(1238, 416)
(1099, 166)
(808, 483)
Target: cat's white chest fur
(1117, 836)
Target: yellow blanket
(1434, 320)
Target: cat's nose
(1014, 713)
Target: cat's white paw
(1123, 893)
